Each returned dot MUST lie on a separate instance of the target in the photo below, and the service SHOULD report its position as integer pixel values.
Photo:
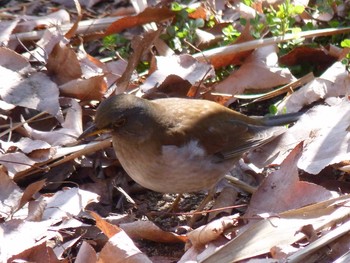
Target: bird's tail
(283, 119)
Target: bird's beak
(91, 131)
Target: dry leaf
(284, 185)
(67, 203)
(148, 230)
(6, 28)
(310, 56)
(119, 249)
(36, 92)
(183, 66)
(26, 145)
(237, 58)
(333, 82)
(281, 229)
(63, 64)
(30, 22)
(90, 66)
(71, 128)
(45, 45)
(86, 254)
(227, 198)
(16, 162)
(114, 71)
(13, 61)
(30, 190)
(259, 71)
(10, 195)
(205, 234)
(29, 234)
(139, 44)
(40, 253)
(107, 228)
(324, 130)
(150, 14)
(85, 89)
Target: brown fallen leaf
(210, 232)
(86, 254)
(63, 64)
(139, 44)
(90, 66)
(227, 198)
(281, 229)
(284, 185)
(85, 89)
(150, 14)
(40, 253)
(30, 190)
(31, 234)
(114, 71)
(308, 55)
(333, 82)
(10, 195)
(107, 228)
(148, 230)
(67, 203)
(28, 23)
(184, 66)
(35, 92)
(6, 28)
(259, 71)
(324, 130)
(71, 127)
(13, 61)
(26, 145)
(238, 58)
(200, 12)
(119, 249)
(16, 162)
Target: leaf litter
(49, 92)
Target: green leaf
(345, 43)
(273, 109)
(298, 9)
(176, 6)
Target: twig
(84, 27)
(249, 45)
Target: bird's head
(125, 117)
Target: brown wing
(231, 139)
(221, 132)
(254, 137)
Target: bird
(180, 145)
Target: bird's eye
(120, 122)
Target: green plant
(183, 30)
(211, 22)
(282, 21)
(116, 43)
(230, 34)
(248, 2)
(273, 109)
(346, 61)
(221, 74)
(143, 66)
(326, 6)
(257, 26)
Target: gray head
(126, 115)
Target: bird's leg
(240, 184)
(201, 206)
(175, 206)
(228, 195)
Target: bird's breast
(172, 169)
